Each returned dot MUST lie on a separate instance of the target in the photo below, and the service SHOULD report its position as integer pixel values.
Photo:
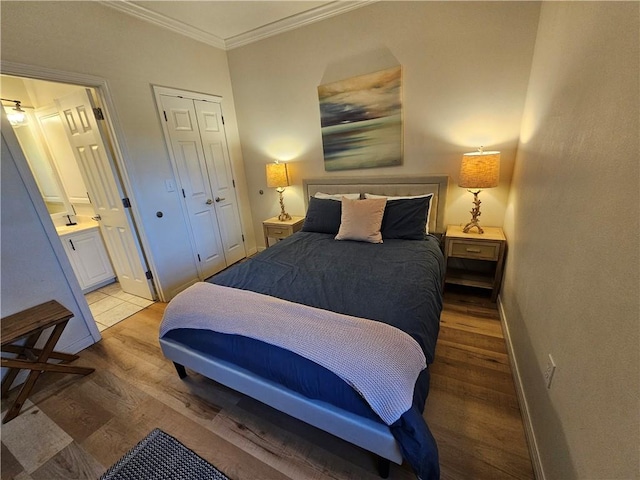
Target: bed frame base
(182, 373)
(363, 432)
(384, 466)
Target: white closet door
(221, 180)
(189, 158)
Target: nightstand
(475, 260)
(280, 229)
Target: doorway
(71, 158)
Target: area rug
(159, 456)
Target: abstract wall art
(361, 120)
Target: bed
(311, 276)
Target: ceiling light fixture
(16, 116)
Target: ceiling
(230, 24)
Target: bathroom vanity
(88, 256)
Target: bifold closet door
(216, 156)
(194, 186)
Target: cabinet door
(89, 258)
(67, 242)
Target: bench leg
(33, 352)
(44, 367)
(34, 374)
(21, 353)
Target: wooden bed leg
(383, 467)
(182, 373)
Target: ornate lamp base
(284, 216)
(473, 223)
(475, 213)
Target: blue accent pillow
(323, 216)
(406, 218)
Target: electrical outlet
(549, 371)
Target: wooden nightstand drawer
(278, 232)
(279, 229)
(483, 251)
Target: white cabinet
(88, 257)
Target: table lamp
(478, 170)
(278, 178)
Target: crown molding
(165, 22)
(294, 21)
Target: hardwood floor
(76, 427)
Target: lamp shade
(277, 175)
(480, 170)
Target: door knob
(97, 217)
(209, 201)
(218, 199)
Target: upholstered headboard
(391, 186)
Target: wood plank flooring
(75, 427)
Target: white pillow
(337, 196)
(361, 220)
(390, 199)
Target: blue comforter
(397, 282)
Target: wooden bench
(31, 323)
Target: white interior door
(216, 154)
(98, 170)
(188, 154)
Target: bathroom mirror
(42, 167)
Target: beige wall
(571, 285)
(131, 55)
(465, 72)
(27, 278)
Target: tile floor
(109, 305)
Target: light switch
(170, 185)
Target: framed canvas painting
(361, 120)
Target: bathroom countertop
(81, 226)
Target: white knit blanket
(380, 362)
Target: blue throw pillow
(406, 218)
(323, 216)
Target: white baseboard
(78, 345)
(522, 400)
